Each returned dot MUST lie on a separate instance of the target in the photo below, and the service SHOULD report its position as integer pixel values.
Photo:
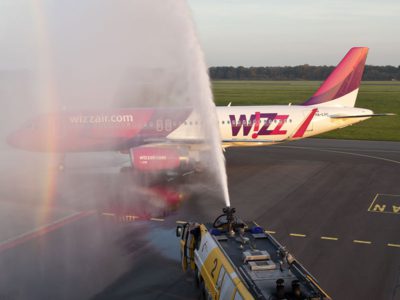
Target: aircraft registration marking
(385, 203)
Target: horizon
(251, 33)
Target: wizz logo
(263, 123)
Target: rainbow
(48, 99)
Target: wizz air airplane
(161, 139)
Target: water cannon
(229, 212)
(230, 218)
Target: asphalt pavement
(335, 205)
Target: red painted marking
(13, 242)
(300, 132)
(256, 126)
(281, 121)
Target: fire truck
(231, 259)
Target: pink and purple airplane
(159, 139)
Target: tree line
(302, 72)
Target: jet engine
(158, 159)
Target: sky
(292, 32)
(249, 32)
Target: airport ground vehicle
(232, 259)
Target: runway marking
(385, 203)
(298, 235)
(361, 150)
(157, 219)
(343, 152)
(329, 238)
(129, 218)
(323, 237)
(180, 222)
(362, 242)
(42, 230)
(108, 214)
(373, 202)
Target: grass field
(380, 96)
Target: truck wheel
(196, 277)
(203, 292)
(184, 263)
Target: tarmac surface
(335, 204)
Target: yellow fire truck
(235, 260)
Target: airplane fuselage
(126, 128)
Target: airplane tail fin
(341, 87)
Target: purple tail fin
(341, 87)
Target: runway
(335, 204)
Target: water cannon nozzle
(229, 212)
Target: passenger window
(168, 125)
(223, 122)
(159, 125)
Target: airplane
(162, 139)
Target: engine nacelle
(156, 159)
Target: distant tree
(301, 72)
